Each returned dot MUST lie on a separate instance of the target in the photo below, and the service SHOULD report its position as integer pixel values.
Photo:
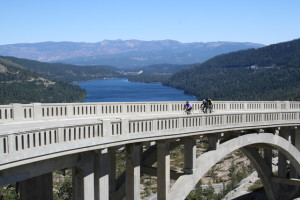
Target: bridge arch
(185, 184)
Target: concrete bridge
(37, 139)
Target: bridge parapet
(46, 111)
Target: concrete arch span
(206, 161)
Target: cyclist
(206, 105)
(187, 107)
(209, 104)
(209, 101)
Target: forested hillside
(268, 73)
(19, 85)
(162, 68)
(65, 72)
(156, 73)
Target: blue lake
(122, 90)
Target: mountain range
(123, 53)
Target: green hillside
(268, 73)
(66, 72)
(19, 85)
(162, 69)
(155, 73)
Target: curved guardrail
(45, 111)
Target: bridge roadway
(37, 139)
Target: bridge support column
(213, 141)
(189, 155)
(293, 171)
(101, 175)
(88, 173)
(287, 190)
(133, 171)
(264, 172)
(112, 169)
(268, 157)
(83, 178)
(77, 183)
(163, 170)
(297, 138)
(282, 161)
(296, 142)
(40, 187)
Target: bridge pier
(282, 161)
(163, 170)
(83, 178)
(268, 157)
(293, 171)
(296, 143)
(101, 175)
(77, 183)
(189, 155)
(213, 141)
(290, 135)
(133, 171)
(264, 172)
(88, 173)
(39, 187)
(112, 169)
(297, 138)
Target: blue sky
(259, 21)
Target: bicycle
(188, 112)
(206, 108)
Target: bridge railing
(32, 143)
(45, 111)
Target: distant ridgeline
(66, 72)
(268, 73)
(123, 53)
(20, 85)
(156, 73)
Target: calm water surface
(122, 90)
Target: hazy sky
(259, 21)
